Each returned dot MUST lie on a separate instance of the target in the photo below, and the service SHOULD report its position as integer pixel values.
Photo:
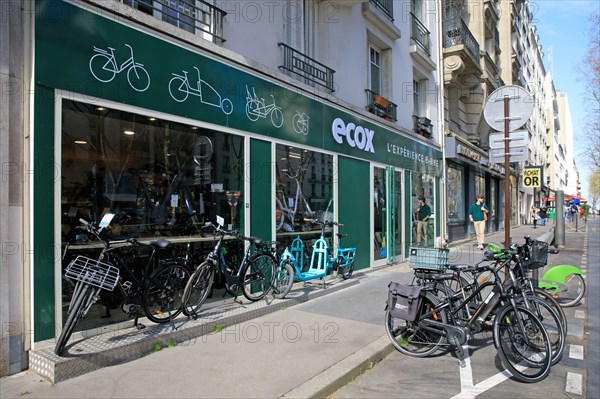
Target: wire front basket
(428, 258)
(538, 255)
(93, 272)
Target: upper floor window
(375, 70)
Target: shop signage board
(518, 138)
(533, 176)
(115, 62)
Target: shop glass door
(379, 224)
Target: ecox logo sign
(356, 136)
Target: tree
(591, 74)
(594, 188)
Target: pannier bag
(405, 300)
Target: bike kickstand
(324, 283)
(138, 326)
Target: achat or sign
(532, 177)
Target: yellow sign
(532, 177)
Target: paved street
(333, 346)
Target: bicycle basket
(405, 301)
(538, 255)
(428, 258)
(93, 272)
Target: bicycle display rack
(428, 258)
(93, 272)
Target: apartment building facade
(168, 114)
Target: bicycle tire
(346, 271)
(81, 297)
(409, 338)
(517, 354)
(174, 90)
(284, 280)
(543, 294)
(197, 288)
(575, 284)
(163, 295)
(550, 318)
(259, 276)
(97, 68)
(140, 79)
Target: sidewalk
(281, 349)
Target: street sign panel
(533, 176)
(520, 107)
(518, 138)
(517, 154)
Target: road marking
(466, 372)
(574, 383)
(576, 352)
(580, 314)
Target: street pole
(559, 232)
(506, 177)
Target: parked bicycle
(104, 67)
(254, 275)
(323, 259)
(154, 286)
(419, 321)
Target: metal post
(559, 231)
(506, 177)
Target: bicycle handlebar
(317, 221)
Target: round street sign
(520, 107)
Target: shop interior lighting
(129, 132)
(100, 108)
(151, 119)
(294, 155)
(80, 142)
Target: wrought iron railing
(381, 106)
(387, 6)
(307, 67)
(420, 34)
(456, 34)
(195, 16)
(422, 126)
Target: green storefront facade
(82, 57)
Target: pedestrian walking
(534, 216)
(422, 214)
(543, 215)
(478, 215)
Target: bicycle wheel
(552, 323)
(284, 280)
(574, 293)
(197, 288)
(80, 298)
(522, 343)
(163, 295)
(259, 276)
(409, 337)
(178, 90)
(542, 294)
(346, 271)
(277, 117)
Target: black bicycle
(254, 275)
(154, 286)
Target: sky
(562, 27)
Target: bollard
(559, 231)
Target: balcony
(380, 13)
(460, 35)
(195, 16)
(306, 67)
(381, 106)
(420, 46)
(422, 126)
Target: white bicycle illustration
(104, 67)
(180, 89)
(256, 108)
(300, 123)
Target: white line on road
(576, 352)
(580, 314)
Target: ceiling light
(129, 132)
(100, 108)
(152, 119)
(80, 142)
(294, 155)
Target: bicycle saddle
(160, 243)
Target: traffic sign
(518, 138)
(517, 154)
(520, 107)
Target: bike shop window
(304, 190)
(456, 193)
(159, 177)
(479, 185)
(422, 185)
